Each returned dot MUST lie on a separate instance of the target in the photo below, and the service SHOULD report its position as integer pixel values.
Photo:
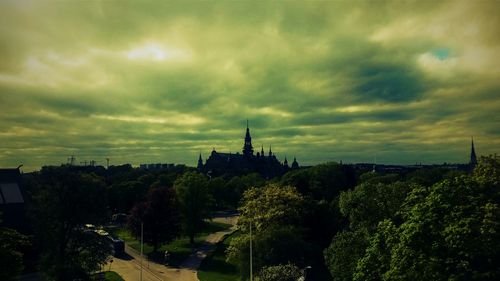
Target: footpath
(129, 266)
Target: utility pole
(142, 240)
(71, 159)
(84, 163)
(251, 266)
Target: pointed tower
(200, 163)
(285, 163)
(262, 151)
(270, 152)
(295, 164)
(473, 158)
(247, 147)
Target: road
(129, 266)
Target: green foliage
(487, 171)
(430, 176)
(11, 258)
(123, 195)
(450, 231)
(375, 260)
(321, 182)
(195, 201)
(343, 253)
(322, 220)
(112, 276)
(231, 193)
(271, 205)
(300, 179)
(279, 245)
(374, 178)
(281, 272)
(276, 213)
(64, 201)
(370, 203)
(159, 215)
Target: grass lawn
(112, 276)
(215, 267)
(179, 249)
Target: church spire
(200, 163)
(473, 158)
(295, 164)
(270, 152)
(247, 147)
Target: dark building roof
(12, 199)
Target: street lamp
(142, 240)
(251, 266)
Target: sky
(396, 82)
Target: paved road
(129, 266)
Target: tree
(159, 215)
(123, 195)
(11, 258)
(364, 206)
(369, 203)
(275, 245)
(271, 205)
(237, 185)
(276, 213)
(195, 202)
(64, 201)
(342, 256)
(321, 182)
(281, 272)
(450, 231)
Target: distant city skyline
(390, 82)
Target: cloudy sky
(150, 82)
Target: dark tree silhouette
(64, 201)
(160, 216)
(195, 200)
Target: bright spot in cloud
(157, 52)
(437, 62)
(177, 119)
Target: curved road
(129, 266)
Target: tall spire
(473, 158)
(262, 150)
(200, 163)
(247, 147)
(295, 164)
(270, 152)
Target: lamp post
(142, 240)
(251, 266)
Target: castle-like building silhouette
(268, 166)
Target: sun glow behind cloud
(157, 52)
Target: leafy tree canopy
(270, 206)
(11, 245)
(281, 272)
(160, 217)
(64, 201)
(450, 231)
(195, 201)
